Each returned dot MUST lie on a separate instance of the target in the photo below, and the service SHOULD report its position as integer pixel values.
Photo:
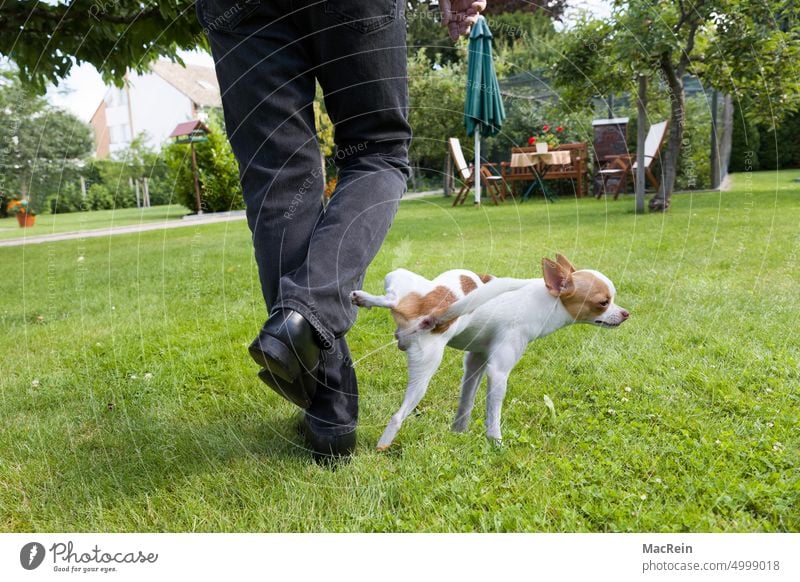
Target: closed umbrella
(483, 109)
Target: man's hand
(459, 15)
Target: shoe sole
(327, 449)
(281, 372)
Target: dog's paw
(495, 439)
(357, 298)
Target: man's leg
(359, 57)
(264, 68)
(359, 53)
(267, 86)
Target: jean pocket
(363, 16)
(217, 15)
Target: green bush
(220, 189)
(99, 197)
(68, 199)
(780, 148)
(746, 143)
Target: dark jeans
(269, 55)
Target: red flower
(559, 129)
(546, 128)
(531, 140)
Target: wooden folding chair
(495, 185)
(619, 165)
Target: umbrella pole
(477, 169)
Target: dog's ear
(556, 278)
(564, 262)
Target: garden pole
(641, 137)
(448, 174)
(196, 180)
(715, 173)
(476, 171)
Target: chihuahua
(491, 319)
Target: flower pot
(541, 147)
(25, 220)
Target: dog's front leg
(501, 361)
(497, 383)
(424, 357)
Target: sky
(83, 90)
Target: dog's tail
(473, 300)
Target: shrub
(218, 173)
(779, 148)
(746, 141)
(68, 199)
(99, 197)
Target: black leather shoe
(287, 350)
(327, 449)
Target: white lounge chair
(495, 185)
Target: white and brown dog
(458, 309)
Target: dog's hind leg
(474, 367)
(364, 299)
(501, 361)
(424, 358)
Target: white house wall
(156, 107)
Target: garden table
(538, 162)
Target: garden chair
(617, 166)
(494, 185)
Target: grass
(79, 221)
(129, 403)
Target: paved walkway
(131, 228)
(192, 220)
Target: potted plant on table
(546, 138)
(26, 216)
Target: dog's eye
(604, 303)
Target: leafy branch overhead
(46, 40)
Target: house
(153, 104)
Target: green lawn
(128, 402)
(77, 221)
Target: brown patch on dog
(585, 295)
(485, 278)
(434, 303)
(468, 284)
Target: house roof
(188, 127)
(196, 82)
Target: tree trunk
(669, 163)
(716, 178)
(641, 136)
(448, 174)
(726, 136)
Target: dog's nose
(624, 313)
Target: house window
(116, 97)
(119, 134)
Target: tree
(737, 46)
(436, 98)
(553, 8)
(41, 147)
(45, 40)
